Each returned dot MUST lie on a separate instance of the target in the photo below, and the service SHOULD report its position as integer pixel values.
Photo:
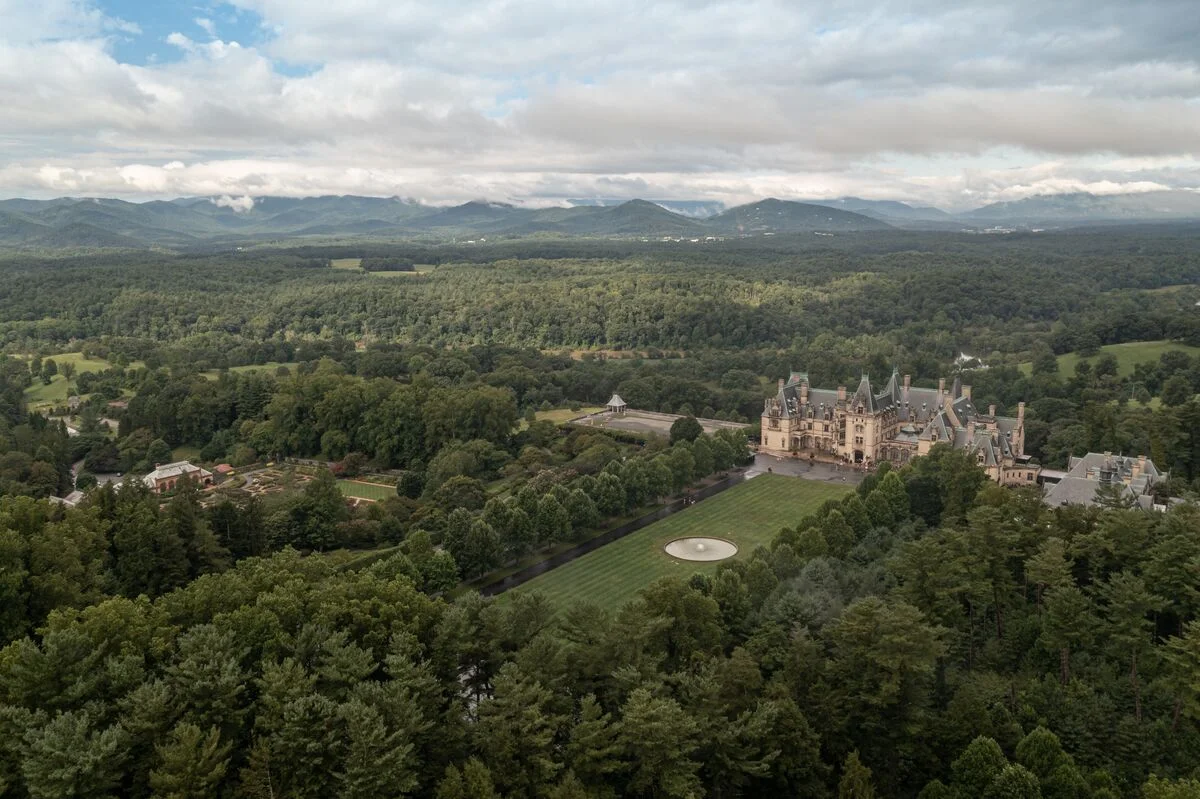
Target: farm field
(1127, 355)
(346, 263)
(365, 490)
(749, 515)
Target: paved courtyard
(802, 467)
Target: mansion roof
(929, 414)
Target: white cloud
(238, 204)
(941, 102)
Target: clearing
(749, 514)
(346, 263)
(1127, 355)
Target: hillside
(786, 216)
(1084, 208)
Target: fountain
(701, 549)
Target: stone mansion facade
(894, 425)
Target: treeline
(950, 638)
(940, 293)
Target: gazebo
(616, 404)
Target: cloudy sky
(954, 103)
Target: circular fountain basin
(701, 549)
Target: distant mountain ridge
(200, 221)
(70, 222)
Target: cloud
(950, 103)
(237, 204)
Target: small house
(616, 404)
(167, 477)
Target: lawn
(566, 414)
(1127, 355)
(40, 395)
(363, 490)
(749, 514)
(265, 368)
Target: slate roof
(616, 402)
(172, 470)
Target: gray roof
(177, 469)
(616, 401)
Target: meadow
(749, 515)
(1127, 355)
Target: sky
(955, 104)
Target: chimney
(1020, 411)
(966, 392)
(907, 382)
(841, 393)
(781, 384)
(992, 411)
(941, 391)
(804, 393)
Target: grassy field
(40, 395)
(265, 368)
(362, 490)
(1127, 356)
(346, 263)
(748, 515)
(566, 414)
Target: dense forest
(932, 634)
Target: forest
(932, 634)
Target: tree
(658, 739)
(1066, 625)
(191, 764)
(49, 370)
(410, 484)
(856, 779)
(1176, 391)
(1129, 627)
(1014, 782)
(552, 523)
(67, 756)
(582, 510)
(516, 733)
(979, 764)
(685, 428)
(1041, 752)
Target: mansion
(894, 425)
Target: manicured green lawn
(363, 490)
(1127, 355)
(749, 514)
(40, 395)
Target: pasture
(749, 515)
(1127, 355)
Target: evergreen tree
(856, 779)
(191, 764)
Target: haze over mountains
(103, 223)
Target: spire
(864, 396)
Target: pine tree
(856, 779)
(191, 764)
(377, 763)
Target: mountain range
(199, 221)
